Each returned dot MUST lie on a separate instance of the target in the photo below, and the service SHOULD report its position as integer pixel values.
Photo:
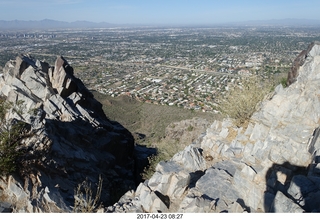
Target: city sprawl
(186, 67)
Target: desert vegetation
(166, 149)
(85, 201)
(146, 119)
(11, 133)
(242, 99)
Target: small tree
(10, 136)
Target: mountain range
(54, 24)
(51, 24)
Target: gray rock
(169, 179)
(195, 202)
(236, 207)
(36, 82)
(217, 185)
(190, 158)
(149, 200)
(283, 204)
(250, 192)
(5, 207)
(259, 132)
(300, 187)
(229, 167)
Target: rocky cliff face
(69, 140)
(270, 166)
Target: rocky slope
(270, 166)
(186, 131)
(69, 140)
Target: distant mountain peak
(50, 24)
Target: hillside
(271, 165)
(148, 120)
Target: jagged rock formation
(270, 166)
(298, 61)
(70, 140)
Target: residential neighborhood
(188, 67)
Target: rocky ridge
(272, 165)
(70, 140)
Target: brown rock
(299, 61)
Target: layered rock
(272, 165)
(70, 140)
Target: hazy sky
(159, 11)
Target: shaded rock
(283, 204)
(217, 184)
(299, 61)
(61, 78)
(141, 155)
(5, 207)
(300, 187)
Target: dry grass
(241, 101)
(85, 202)
(232, 134)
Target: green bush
(284, 82)
(240, 101)
(151, 168)
(11, 133)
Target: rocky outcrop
(272, 165)
(298, 61)
(185, 132)
(70, 140)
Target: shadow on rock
(292, 188)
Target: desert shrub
(153, 162)
(241, 100)
(84, 200)
(190, 128)
(11, 133)
(151, 168)
(283, 82)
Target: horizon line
(94, 24)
